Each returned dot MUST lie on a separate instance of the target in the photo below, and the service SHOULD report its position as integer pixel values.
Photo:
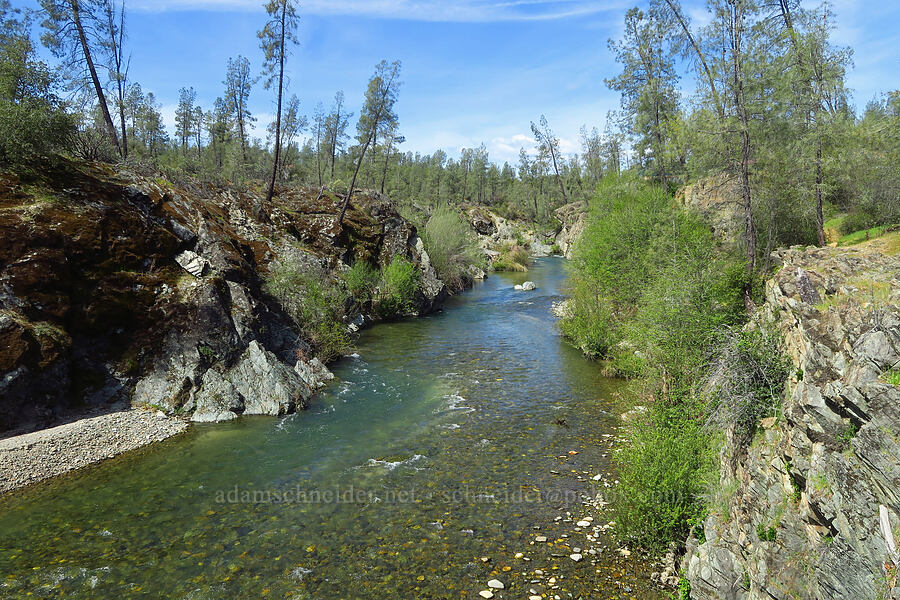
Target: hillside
(120, 288)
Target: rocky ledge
(32, 457)
(119, 286)
(810, 509)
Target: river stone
(486, 594)
(529, 286)
(576, 557)
(495, 584)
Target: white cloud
(412, 10)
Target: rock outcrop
(573, 217)
(117, 286)
(718, 199)
(799, 509)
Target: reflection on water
(443, 442)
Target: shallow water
(444, 442)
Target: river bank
(460, 436)
(29, 458)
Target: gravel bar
(32, 457)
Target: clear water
(437, 446)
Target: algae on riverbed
(438, 446)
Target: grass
(513, 257)
(833, 228)
(893, 376)
(863, 291)
(865, 235)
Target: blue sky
(473, 70)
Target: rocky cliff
(120, 287)
(811, 507)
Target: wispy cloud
(465, 11)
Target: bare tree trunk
(820, 217)
(701, 57)
(121, 76)
(559, 180)
(353, 181)
(271, 191)
(319, 152)
(737, 24)
(387, 157)
(101, 97)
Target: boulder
(192, 262)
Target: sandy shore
(32, 457)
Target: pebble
(576, 557)
(540, 539)
(487, 594)
(583, 523)
(519, 555)
(495, 584)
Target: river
(444, 447)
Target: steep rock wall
(798, 510)
(117, 286)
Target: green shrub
(316, 304)
(692, 293)
(451, 246)
(513, 257)
(400, 282)
(361, 280)
(857, 220)
(751, 374)
(613, 253)
(664, 467)
(588, 325)
(765, 534)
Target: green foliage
(664, 466)
(653, 292)
(400, 282)
(33, 119)
(655, 276)
(612, 253)
(451, 245)
(362, 281)
(846, 437)
(684, 589)
(589, 324)
(765, 534)
(893, 376)
(513, 257)
(751, 375)
(315, 303)
(857, 220)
